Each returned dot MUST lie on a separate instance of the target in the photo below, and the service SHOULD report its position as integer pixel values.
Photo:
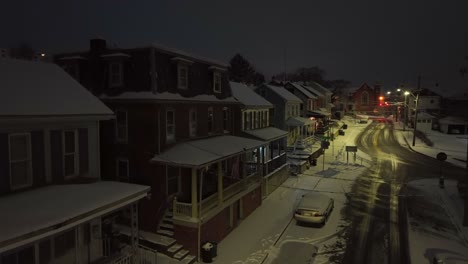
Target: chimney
(97, 45)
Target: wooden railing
(185, 209)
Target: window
(123, 170)
(70, 153)
(365, 98)
(225, 119)
(170, 125)
(265, 114)
(217, 82)
(182, 81)
(115, 74)
(20, 160)
(121, 126)
(257, 120)
(64, 243)
(210, 120)
(247, 120)
(193, 122)
(24, 255)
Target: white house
(55, 208)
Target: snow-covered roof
(319, 87)
(425, 115)
(186, 54)
(43, 89)
(298, 121)
(285, 94)
(115, 54)
(247, 96)
(452, 120)
(268, 133)
(313, 90)
(303, 90)
(75, 57)
(319, 113)
(167, 96)
(60, 205)
(201, 152)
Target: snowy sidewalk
(435, 226)
(256, 236)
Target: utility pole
(416, 110)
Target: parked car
(314, 208)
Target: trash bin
(207, 252)
(341, 132)
(345, 126)
(214, 249)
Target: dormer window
(182, 72)
(217, 82)
(182, 76)
(115, 74)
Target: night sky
(358, 40)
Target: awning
(298, 121)
(267, 134)
(60, 207)
(198, 153)
(318, 113)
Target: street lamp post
(415, 119)
(406, 112)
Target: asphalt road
(377, 202)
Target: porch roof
(268, 133)
(318, 113)
(198, 153)
(298, 121)
(42, 212)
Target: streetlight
(415, 114)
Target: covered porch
(211, 175)
(299, 128)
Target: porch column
(220, 183)
(194, 194)
(134, 229)
(259, 156)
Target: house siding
(38, 158)
(56, 156)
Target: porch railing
(211, 202)
(274, 164)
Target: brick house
(56, 208)
(366, 98)
(256, 113)
(177, 129)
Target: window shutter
(56, 156)
(37, 155)
(4, 164)
(83, 150)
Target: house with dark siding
(55, 206)
(177, 129)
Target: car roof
(314, 200)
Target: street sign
(441, 156)
(351, 148)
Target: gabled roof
(319, 87)
(283, 93)
(303, 90)
(43, 89)
(313, 91)
(248, 96)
